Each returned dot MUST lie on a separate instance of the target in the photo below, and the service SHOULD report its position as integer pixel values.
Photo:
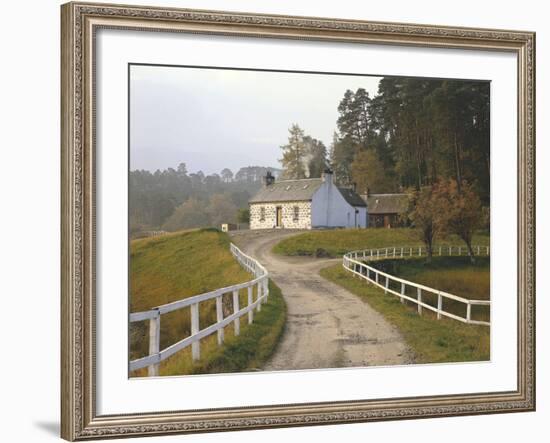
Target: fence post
(419, 297)
(440, 251)
(237, 321)
(439, 305)
(266, 289)
(402, 292)
(196, 345)
(387, 284)
(371, 253)
(468, 312)
(394, 251)
(259, 294)
(478, 250)
(377, 253)
(487, 250)
(219, 318)
(376, 276)
(250, 301)
(154, 343)
(420, 251)
(460, 250)
(386, 252)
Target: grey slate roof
(300, 190)
(352, 197)
(387, 203)
(288, 190)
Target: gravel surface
(327, 326)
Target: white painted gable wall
(330, 209)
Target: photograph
(295, 220)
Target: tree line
(173, 199)
(411, 134)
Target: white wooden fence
(156, 355)
(355, 262)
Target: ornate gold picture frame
(80, 23)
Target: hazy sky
(213, 118)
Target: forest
(411, 134)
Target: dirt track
(327, 326)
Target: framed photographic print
(283, 221)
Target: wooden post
(387, 284)
(378, 253)
(402, 292)
(419, 298)
(154, 343)
(219, 318)
(394, 251)
(195, 346)
(468, 312)
(258, 295)
(420, 251)
(386, 252)
(376, 276)
(250, 301)
(371, 253)
(237, 321)
(439, 305)
(266, 289)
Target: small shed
(385, 210)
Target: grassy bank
(336, 242)
(432, 340)
(246, 352)
(455, 275)
(175, 266)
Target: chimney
(327, 175)
(268, 179)
(365, 196)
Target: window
(296, 213)
(262, 213)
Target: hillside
(175, 266)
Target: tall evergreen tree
(294, 154)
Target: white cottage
(306, 204)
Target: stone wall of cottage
(288, 219)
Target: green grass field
(175, 266)
(336, 242)
(432, 340)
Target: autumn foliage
(445, 208)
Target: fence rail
(354, 262)
(156, 355)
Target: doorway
(279, 216)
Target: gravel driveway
(327, 326)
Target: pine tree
(294, 154)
